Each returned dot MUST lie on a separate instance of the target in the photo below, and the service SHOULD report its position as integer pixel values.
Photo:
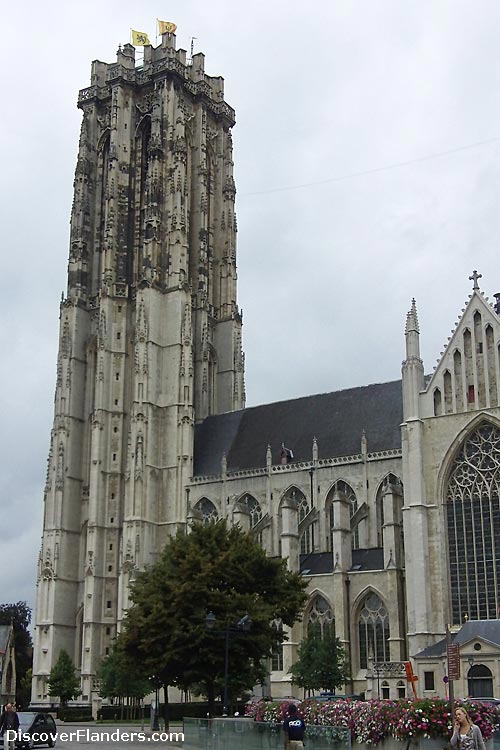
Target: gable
(466, 376)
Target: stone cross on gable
(475, 277)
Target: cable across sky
(386, 168)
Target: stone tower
(150, 339)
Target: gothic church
(386, 497)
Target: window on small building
(429, 683)
(385, 692)
(401, 689)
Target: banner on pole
(166, 27)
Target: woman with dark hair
(467, 736)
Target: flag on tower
(140, 39)
(166, 27)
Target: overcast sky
(367, 162)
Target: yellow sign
(166, 27)
(140, 39)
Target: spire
(412, 318)
(413, 368)
(412, 332)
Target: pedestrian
(9, 722)
(294, 728)
(467, 736)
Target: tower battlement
(160, 63)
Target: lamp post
(242, 626)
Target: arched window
(401, 689)
(373, 631)
(480, 682)
(253, 508)
(345, 490)
(320, 618)
(385, 691)
(207, 509)
(277, 651)
(473, 519)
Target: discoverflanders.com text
(88, 735)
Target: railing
(247, 734)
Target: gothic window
(277, 651)
(253, 508)
(401, 688)
(473, 519)
(373, 631)
(320, 618)
(207, 509)
(342, 488)
(385, 692)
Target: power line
(375, 170)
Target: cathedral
(385, 497)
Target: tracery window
(277, 651)
(473, 520)
(253, 508)
(373, 631)
(320, 619)
(207, 509)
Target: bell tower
(150, 339)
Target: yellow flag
(166, 27)
(140, 39)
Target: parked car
(335, 697)
(35, 730)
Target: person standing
(9, 721)
(467, 736)
(294, 728)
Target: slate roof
(316, 563)
(368, 559)
(336, 419)
(488, 630)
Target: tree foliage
(63, 683)
(321, 663)
(218, 569)
(20, 616)
(120, 677)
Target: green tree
(321, 663)
(63, 683)
(212, 569)
(120, 677)
(20, 616)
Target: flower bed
(371, 721)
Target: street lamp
(242, 626)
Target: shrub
(371, 721)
